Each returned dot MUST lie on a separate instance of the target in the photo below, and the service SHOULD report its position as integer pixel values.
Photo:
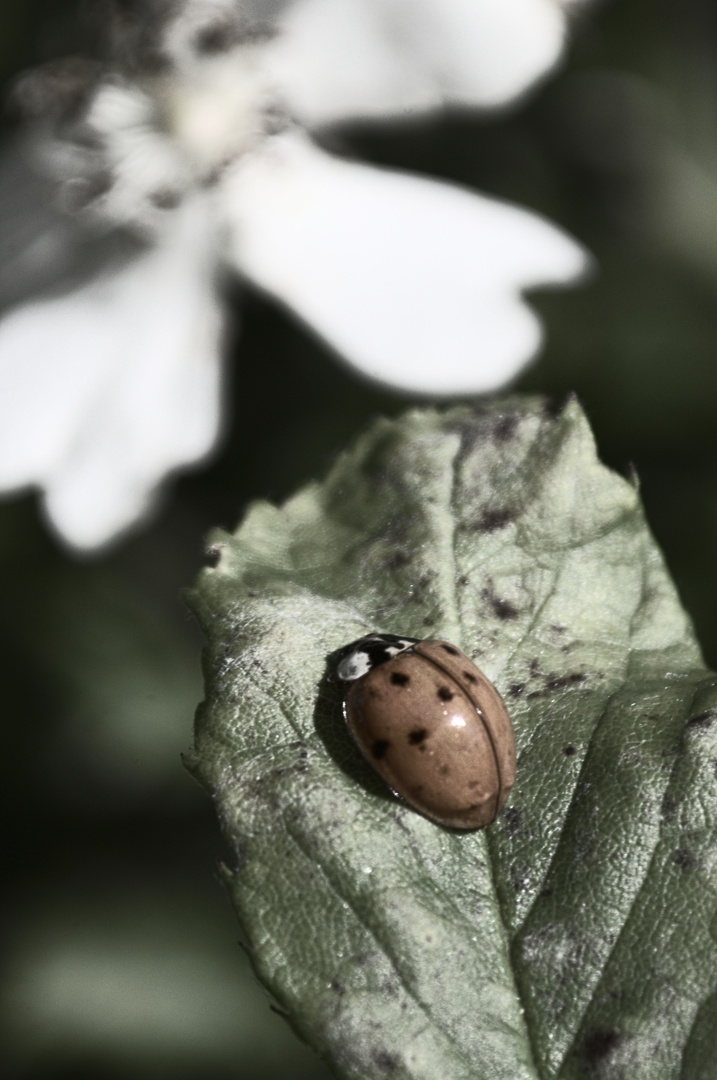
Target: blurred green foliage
(101, 662)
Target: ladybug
(432, 725)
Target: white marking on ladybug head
(369, 652)
(354, 665)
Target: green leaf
(577, 936)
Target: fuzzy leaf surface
(577, 935)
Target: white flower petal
(108, 388)
(415, 282)
(338, 59)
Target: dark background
(120, 949)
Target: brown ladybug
(432, 726)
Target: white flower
(196, 145)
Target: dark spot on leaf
(516, 689)
(518, 877)
(505, 428)
(429, 621)
(534, 668)
(338, 988)
(445, 693)
(557, 682)
(547, 892)
(450, 649)
(552, 408)
(599, 1043)
(278, 1011)
(463, 580)
(513, 820)
(386, 1062)
(417, 592)
(704, 720)
(417, 736)
(569, 751)
(212, 556)
(683, 858)
(397, 560)
(493, 519)
(669, 808)
(557, 629)
(400, 678)
(379, 748)
(502, 609)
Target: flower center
(215, 111)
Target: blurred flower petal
(414, 282)
(336, 59)
(110, 387)
(189, 142)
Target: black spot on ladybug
(400, 678)
(704, 720)
(468, 676)
(417, 736)
(473, 784)
(599, 1043)
(683, 858)
(569, 751)
(450, 649)
(379, 748)
(444, 770)
(445, 693)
